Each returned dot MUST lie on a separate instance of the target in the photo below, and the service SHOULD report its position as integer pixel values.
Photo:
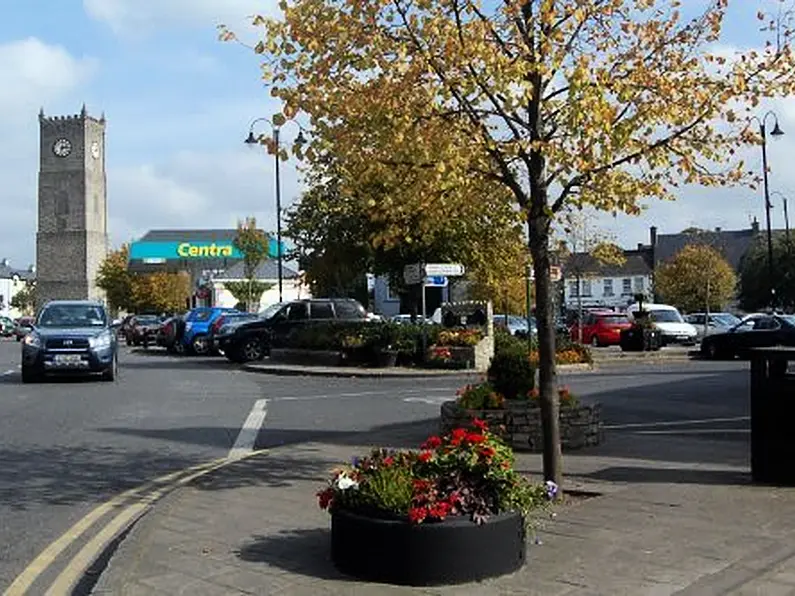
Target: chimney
(717, 230)
(755, 226)
(4, 262)
(653, 236)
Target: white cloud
(136, 17)
(34, 74)
(196, 190)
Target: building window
(608, 287)
(586, 287)
(391, 295)
(626, 286)
(573, 289)
(639, 286)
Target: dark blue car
(196, 337)
(70, 337)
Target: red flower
(432, 443)
(421, 485)
(488, 452)
(475, 438)
(388, 461)
(324, 497)
(417, 514)
(458, 435)
(425, 456)
(440, 510)
(481, 425)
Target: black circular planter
(453, 551)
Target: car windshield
(72, 315)
(726, 320)
(615, 320)
(789, 319)
(665, 316)
(270, 311)
(147, 320)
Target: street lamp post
(785, 204)
(776, 132)
(255, 140)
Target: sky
(179, 103)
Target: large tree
(697, 278)
(585, 102)
(114, 278)
(754, 284)
(25, 299)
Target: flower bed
(453, 512)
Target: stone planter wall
(477, 357)
(306, 357)
(519, 423)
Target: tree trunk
(547, 375)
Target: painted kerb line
(247, 437)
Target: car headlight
(101, 341)
(33, 340)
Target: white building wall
(292, 289)
(611, 292)
(8, 289)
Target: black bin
(772, 416)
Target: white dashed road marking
(247, 438)
(675, 423)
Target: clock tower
(72, 235)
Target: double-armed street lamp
(253, 139)
(776, 132)
(785, 203)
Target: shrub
(507, 342)
(459, 337)
(566, 398)
(480, 397)
(511, 374)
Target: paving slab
(255, 528)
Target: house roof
(8, 272)
(176, 235)
(268, 269)
(732, 244)
(637, 262)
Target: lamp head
(251, 139)
(300, 139)
(776, 132)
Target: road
(66, 446)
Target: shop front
(204, 254)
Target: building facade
(12, 281)
(72, 231)
(212, 260)
(590, 283)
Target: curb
(308, 371)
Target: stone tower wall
(71, 241)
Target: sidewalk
(393, 372)
(662, 525)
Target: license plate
(68, 359)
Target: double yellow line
(133, 504)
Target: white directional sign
(444, 269)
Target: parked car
(601, 328)
(755, 331)
(718, 321)
(22, 327)
(142, 330)
(227, 320)
(195, 338)
(406, 319)
(7, 326)
(70, 337)
(669, 321)
(169, 334)
(515, 325)
(252, 340)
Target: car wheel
(29, 375)
(595, 341)
(712, 351)
(200, 345)
(252, 350)
(234, 354)
(112, 373)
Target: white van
(669, 321)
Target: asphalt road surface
(67, 445)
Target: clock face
(62, 147)
(95, 150)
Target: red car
(602, 328)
